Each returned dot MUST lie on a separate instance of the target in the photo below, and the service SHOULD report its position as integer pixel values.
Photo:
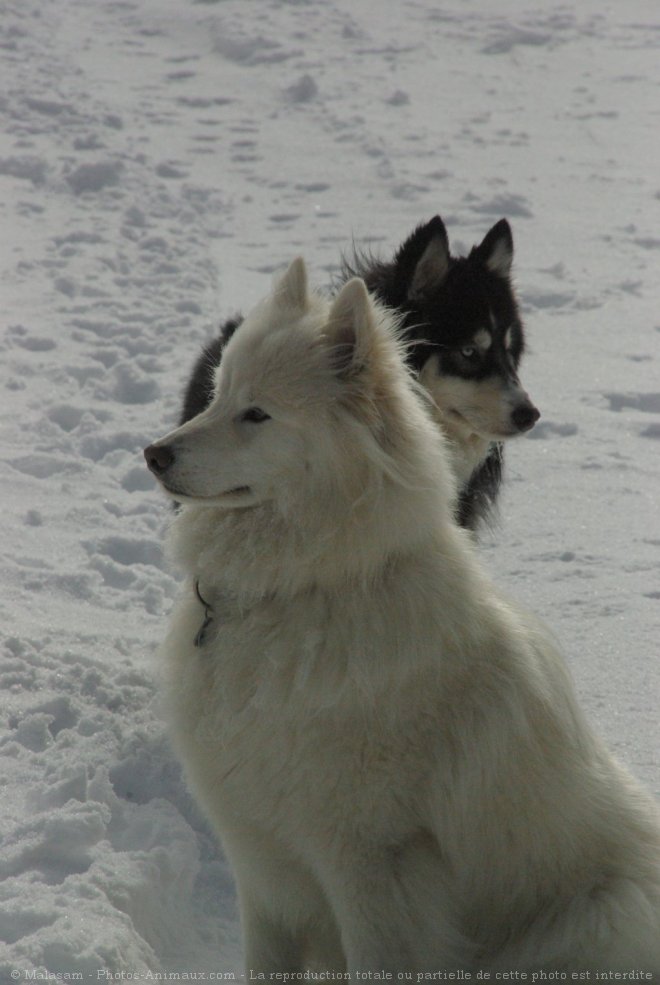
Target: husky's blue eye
(470, 352)
(255, 415)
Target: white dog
(391, 753)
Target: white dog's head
(295, 386)
(233, 453)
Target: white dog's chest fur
(293, 730)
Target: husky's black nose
(159, 458)
(525, 416)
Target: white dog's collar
(227, 606)
(202, 634)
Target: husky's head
(304, 404)
(469, 335)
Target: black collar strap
(202, 632)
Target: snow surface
(158, 160)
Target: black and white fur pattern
(466, 338)
(462, 317)
(391, 751)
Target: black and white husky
(466, 338)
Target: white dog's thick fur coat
(391, 752)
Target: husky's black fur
(445, 300)
(453, 300)
(199, 389)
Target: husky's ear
(496, 250)
(290, 289)
(431, 268)
(350, 328)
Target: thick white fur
(391, 753)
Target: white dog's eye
(254, 415)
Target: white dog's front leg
(394, 909)
(269, 947)
(373, 916)
(284, 916)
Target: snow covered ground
(158, 160)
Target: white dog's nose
(159, 458)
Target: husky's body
(465, 341)
(391, 753)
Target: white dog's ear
(291, 289)
(350, 329)
(432, 267)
